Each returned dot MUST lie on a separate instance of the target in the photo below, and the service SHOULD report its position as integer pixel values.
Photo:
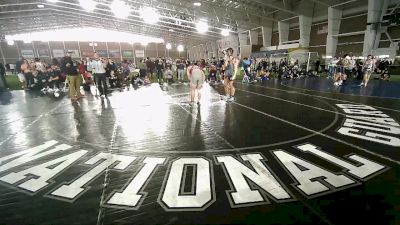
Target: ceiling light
(53, 1)
(40, 6)
(27, 41)
(149, 15)
(168, 46)
(85, 35)
(180, 48)
(144, 43)
(120, 9)
(171, 30)
(197, 4)
(88, 5)
(202, 27)
(10, 42)
(225, 32)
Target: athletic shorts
(196, 80)
(230, 78)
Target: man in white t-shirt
(98, 66)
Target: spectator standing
(150, 66)
(74, 80)
(88, 66)
(181, 69)
(160, 70)
(174, 68)
(125, 68)
(82, 67)
(332, 67)
(18, 65)
(142, 68)
(99, 70)
(317, 65)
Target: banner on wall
(139, 53)
(127, 53)
(28, 54)
(58, 53)
(75, 53)
(87, 53)
(44, 53)
(102, 53)
(114, 53)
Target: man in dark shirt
(150, 66)
(181, 69)
(317, 65)
(264, 64)
(160, 69)
(74, 80)
(18, 65)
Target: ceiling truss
(177, 23)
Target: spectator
(142, 68)
(246, 66)
(181, 69)
(359, 70)
(150, 65)
(99, 66)
(174, 67)
(74, 80)
(212, 77)
(82, 67)
(27, 79)
(160, 69)
(18, 65)
(332, 67)
(317, 65)
(264, 64)
(125, 68)
(53, 79)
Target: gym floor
(157, 121)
